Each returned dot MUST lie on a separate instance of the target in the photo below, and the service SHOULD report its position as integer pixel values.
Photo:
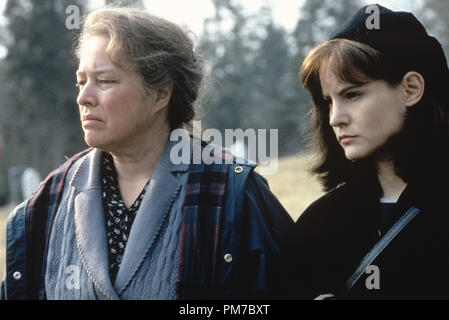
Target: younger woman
(380, 127)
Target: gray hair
(158, 49)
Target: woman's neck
(392, 185)
(135, 165)
(137, 161)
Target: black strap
(377, 249)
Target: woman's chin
(95, 142)
(354, 155)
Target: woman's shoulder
(69, 164)
(317, 228)
(326, 211)
(54, 183)
(331, 199)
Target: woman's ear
(413, 84)
(162, 96)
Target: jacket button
(238, 169)
(17, 275)
(228, 257)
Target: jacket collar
(162, 190)
(87, 174)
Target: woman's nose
(87, 95)
(338, 115)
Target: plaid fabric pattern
(203, 210)
(40, 212)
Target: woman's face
(115, 109)
(363, 117)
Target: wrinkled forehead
(93, 45)
(101, 47)
(93, 55)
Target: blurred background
(253, 51)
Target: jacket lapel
(90, 224)
(162, 191)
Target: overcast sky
(191, 14)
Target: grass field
(4, 212)
(294, 187)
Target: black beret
(402, 39)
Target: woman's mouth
(346, 139)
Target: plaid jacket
(206, 235)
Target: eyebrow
(96, 72)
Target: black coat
(333, 235)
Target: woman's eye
(79, 84)
(328, 102)
(105, 81)
(351, 95)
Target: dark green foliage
(435, 16)
(253, 81)
(40, 120)
(253, 64)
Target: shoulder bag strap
(377, 249)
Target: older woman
(380, 125)
(120, 220)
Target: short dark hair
(159, 50)
(426, 124)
